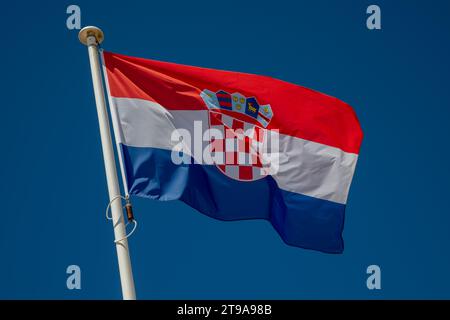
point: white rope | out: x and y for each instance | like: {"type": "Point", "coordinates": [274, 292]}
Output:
{"type": "Point", "coordinates": [108, 208]}
{"type": "Point", "coordinates": [128, 235]}
{"type": "Point", "coordinates": [110, 203]}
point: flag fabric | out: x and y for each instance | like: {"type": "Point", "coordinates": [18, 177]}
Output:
{"type": "Point", "coordinates": [235, 146]}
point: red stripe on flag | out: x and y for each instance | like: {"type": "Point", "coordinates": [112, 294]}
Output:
{"type": "Point", "coordinates": [297, 111]}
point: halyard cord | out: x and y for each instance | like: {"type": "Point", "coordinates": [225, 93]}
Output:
{"type": "Point", "coordinates": [118, 196]}
{"type": "Point", "coordinates": [110, 217]}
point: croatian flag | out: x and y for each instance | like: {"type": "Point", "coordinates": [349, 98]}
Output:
{"type": "Point", "coordinates": [235, 146]}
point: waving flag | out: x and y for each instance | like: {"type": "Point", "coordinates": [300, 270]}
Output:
{"type": "Point", "coordinates": [235, 146]}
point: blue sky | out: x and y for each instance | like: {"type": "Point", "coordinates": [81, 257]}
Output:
{"type": "Point", "coordinates": [52, 177]}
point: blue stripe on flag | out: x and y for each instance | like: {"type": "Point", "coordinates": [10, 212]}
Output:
{"type": "Point", "coordinates": [300, 220]}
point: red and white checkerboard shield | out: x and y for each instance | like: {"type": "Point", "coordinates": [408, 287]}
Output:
{"type": "Point", "coordinates": [237, 152]}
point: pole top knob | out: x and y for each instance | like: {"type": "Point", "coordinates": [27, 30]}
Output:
{"type": "Point", "coordinates": [91, 31]}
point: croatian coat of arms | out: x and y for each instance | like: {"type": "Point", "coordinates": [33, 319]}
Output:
{"type": "Point", "coordinates": [237, 147]}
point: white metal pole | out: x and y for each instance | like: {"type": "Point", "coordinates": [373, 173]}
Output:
{"type": "Point", "coordinates": [91, 37]}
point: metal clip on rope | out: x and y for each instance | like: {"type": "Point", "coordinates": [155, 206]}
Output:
{"type": "Point", "coordinates": [130, 216]}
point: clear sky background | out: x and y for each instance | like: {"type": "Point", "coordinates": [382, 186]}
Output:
{"type": "Point", "coordinates": [52, 179]}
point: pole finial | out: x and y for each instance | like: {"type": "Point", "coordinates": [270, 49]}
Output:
{"type": "Point", "coordinates": [90, 31]}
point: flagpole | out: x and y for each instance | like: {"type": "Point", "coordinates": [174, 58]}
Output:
{"type": "Point", "coordinates": [92, 37]}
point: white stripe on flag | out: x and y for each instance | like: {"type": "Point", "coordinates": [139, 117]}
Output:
{"type": "Point", "coordinates": [306, 167]}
